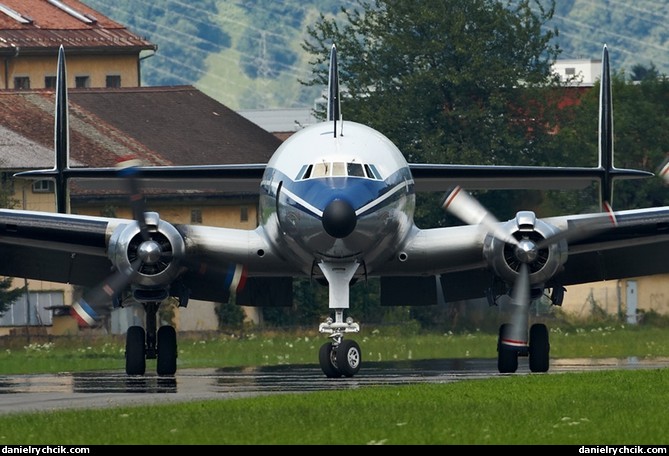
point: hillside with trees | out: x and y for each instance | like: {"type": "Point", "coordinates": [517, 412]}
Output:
{"type": "Point", "coordinates": [248, 55]}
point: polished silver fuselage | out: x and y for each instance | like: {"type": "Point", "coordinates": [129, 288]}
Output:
{"type": "Point", "coordinates": [314, 167]}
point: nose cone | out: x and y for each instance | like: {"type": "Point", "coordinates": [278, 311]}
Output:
{"type": "Point", "coordinates": [339, 219]}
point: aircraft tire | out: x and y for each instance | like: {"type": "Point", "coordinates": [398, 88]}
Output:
{"type": "Point", "coordinates": [348, 357]}
{"type": "Point", "coordinates": [507, 358]}
{"type": "Point", "coordinates": [167, 351]}
{"type": "Point", "coordinates": [539, 348]}
{"type": "Point", "coordinates": [135, 351]}
{"type": "Point", "coordinates": [326, 358]}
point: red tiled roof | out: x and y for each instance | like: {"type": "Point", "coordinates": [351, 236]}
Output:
{"type": "Point", "coordinates": [161, 125]}
{"type": "Point", "coordinates": [41, 25]}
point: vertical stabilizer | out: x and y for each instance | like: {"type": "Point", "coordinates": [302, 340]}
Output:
{"type": "Point", "coordinates": [61, 135]}
{"type": "Point", "coordinates": [606, 133]}
{"type": "Point", "coordinates": [334, 106]}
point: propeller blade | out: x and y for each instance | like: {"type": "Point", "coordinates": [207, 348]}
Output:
{"type": "Point", "coordinates": [515, 334]}
{"type": "Point", "coordinates": [664, 170]}
{"type": "Point", "coordinates": [128, 168]}
{"type": "Point", "coordinates": [86, 310]}
{"type": "Point", "coordinates": [469, 210]}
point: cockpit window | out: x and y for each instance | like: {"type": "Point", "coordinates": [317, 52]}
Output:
{"type": "Point", "coordinates": [321, 170]}
{"type": "Point", "coordinates": [326, 169]}
{"type": "Point", "coordinates": [355, 169]}
{"type": "Point", "coordinates": [372, 172]}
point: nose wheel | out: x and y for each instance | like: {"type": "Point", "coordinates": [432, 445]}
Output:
{"type": "Point", "coordinates": [339, 359]}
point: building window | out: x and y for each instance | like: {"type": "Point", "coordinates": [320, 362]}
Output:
{"type": "Point", "coordinates": [81, 82]}
{"type": "Point", "coordinates": [22, 82]}
{"type": "Point", "coordinates": [244, 214]}
{"type": "Point", "coordinates": [196, 215]}
{"type": "Point", "coordinates": [49, 82]}
{"type": "Point", "coordinates": [43, 186]}
{"type": "Point", "coordinates": [113, 81]}
{"type": "Point", "coordinates": [570, 71]}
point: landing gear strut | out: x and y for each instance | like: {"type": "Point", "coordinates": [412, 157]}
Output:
{"type": "Point", "coordinates": [339, 357]}
{"type": "Point", "coordinates": [141, 345]}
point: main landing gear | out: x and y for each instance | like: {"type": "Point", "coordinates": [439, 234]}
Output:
{"type": "Point", "coordinates": [537, 349]}
{"type": "Point", "coordinates": [141, 345]}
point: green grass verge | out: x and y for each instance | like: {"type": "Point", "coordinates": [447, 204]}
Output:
{"type": "Point", "coordinates": [76, 354]}
{"type": "Point", "coordinates": [594, 408]}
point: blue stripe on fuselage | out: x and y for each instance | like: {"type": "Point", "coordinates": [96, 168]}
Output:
{"type": "Point", "coordinates": [359, 192]}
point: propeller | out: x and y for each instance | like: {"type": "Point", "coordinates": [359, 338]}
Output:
{"type": "Point", "coordinates": [86, 310]}
{"type": "Point", "coordinates": [147, 254]}
{"type": "Point", "coordinates": [469, 210]}
{"type": "Point", "coordinates": [128, 168]}
{"type": "Point", "coordinates": [515, 334]}
{"type": "Point", "coordinates": [664, 170]}
{"type": "Point", "coordinates": [526, 251]}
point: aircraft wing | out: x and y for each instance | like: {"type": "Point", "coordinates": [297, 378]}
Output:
{"type": "Point", "coordinates": [76, 249]}
{"type": "Point", "coordinates": [466, 259]}
{"type": "Point", "coordinates": [443, 177]}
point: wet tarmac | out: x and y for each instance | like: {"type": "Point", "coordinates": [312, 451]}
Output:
{"type": "Point", "coordinates": [44, 392]}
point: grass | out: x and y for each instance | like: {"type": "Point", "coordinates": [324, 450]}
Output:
{"type": "Point", "coordinates": [76, 354]}
{"type": "Point", "coordinates": [591, 408]}
{"type": "Point", "coordinates": [594, 408]}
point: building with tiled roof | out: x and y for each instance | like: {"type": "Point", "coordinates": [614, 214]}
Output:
{"type": "Point", "coordinates": [110, 116]}
{"type": "Point", "coordinates": [176, 125]}
{"type": "Point", "coordinates": [100, 52]}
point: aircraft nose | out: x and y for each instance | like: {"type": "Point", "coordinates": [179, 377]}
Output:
{"type": "Point", "coordinates": [339, 219]}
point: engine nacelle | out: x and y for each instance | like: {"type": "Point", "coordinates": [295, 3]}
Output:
{"type": "Point", "coordinates": [152, 262]}
{"type": "Point", "coordinates": [505, 259]}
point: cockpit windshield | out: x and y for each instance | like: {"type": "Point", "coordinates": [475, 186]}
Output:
{"type": "Point", "coordinates": [336, 169]}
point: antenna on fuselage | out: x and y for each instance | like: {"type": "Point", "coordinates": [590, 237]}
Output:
{"type": "Point", "coordinates": [334, 106]}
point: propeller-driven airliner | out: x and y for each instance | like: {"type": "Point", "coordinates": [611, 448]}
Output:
{"type": "Point", "coordinates": [336, 204]}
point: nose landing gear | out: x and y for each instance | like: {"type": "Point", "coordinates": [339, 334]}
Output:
{"type": "Point", "coordinates": [339, 357]}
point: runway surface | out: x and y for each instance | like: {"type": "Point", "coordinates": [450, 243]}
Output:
{"type": "Point", "coordinates": [45, 392]}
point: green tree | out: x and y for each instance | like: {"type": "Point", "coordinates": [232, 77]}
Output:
{"type": "Point", "coordinates": [441, 79]}
{"type": "Point", "coordinates": [641, 135]}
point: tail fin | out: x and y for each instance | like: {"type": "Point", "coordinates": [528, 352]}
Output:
{"type": "Point", "coordinates": [61, 135]}
{"type": "Point", "coordinates": [606, 133]}
{"type": "Point", "coordinates": [334, 106]}
{"type": "Point", "coordinates": [61, 171]}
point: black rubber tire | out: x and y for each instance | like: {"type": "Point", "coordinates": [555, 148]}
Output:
{"type": "Point", "coordinates": [539, 349]}
{"type": "Point", "coordinates": [135, 351]}
{"type": "Point", "coordinates": [327, 361]}
{"type": "Point", "coordinates": [348, 357]}
{"type": "Point", "coordinates": [167, 351]}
